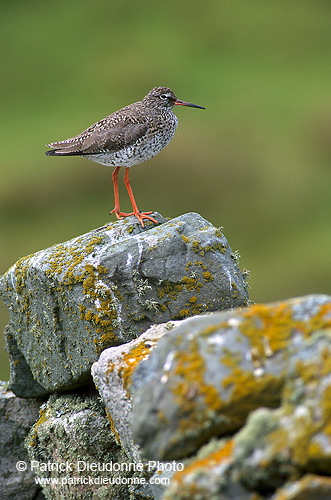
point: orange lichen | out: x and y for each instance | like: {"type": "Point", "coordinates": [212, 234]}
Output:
{"type": "Point", "coordinates": [185, 478]}
{"type": "Point", "coordinates": [113, 427]}
{"type": "Point", "coordinates": [191, 283]}
{"type": "Point", "coordinates": [169, 288]}
{"type": "Point", "coordinates": [183, 313]}
{"type": "Point", "coordinates": [44, 414]}
{"type": "Point", "coordinates": [326, 408]}
{"type": "Point", "coordinates": [129, 361]}
{"type": "Point", "coordinates": [248, 390]}
{"type": "Point", "coordinates": [270, 327]}
{"type": "Point", "coordinates": [207, 276]}
{"type": "Point", "coordinates": [189, 386]}
{"type": "Point", "coordinates": [273, 323]}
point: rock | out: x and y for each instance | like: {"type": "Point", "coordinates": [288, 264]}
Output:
{"type": "Point", "coordinates": [21, 376]}
{"type": "Point", "coordinates": [73, 451]}
{"type": "Point", "coordinates": [208, 476]}
{"type": "Point", "coordinates": [258, 466]}
{"type": "Point", "coordinates": [258, 376]}
{"type": "Point", "coordinates": [213, 474]}
{"type": "Point", "coordinates": [309, 487]}
{"type": "Point", "coordinates": [16, 418]}
{"type": "Point", "coordinates": [210, 373]}
{"type": "Point", "coordinates": [112, 376]}
{"type": "Point", "coordinates": [276, 445]}
{"type": "Point", "coordinates": [71, 301]}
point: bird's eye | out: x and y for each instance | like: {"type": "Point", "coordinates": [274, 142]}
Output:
{"type": "Point", "coordinates": [164, 96]}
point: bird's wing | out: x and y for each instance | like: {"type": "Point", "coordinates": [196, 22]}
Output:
{"type": "Point", "coordinates": [95, 139]}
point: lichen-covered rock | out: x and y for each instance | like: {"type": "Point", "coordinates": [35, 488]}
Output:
{"type": "Point", "coordinates": [16, 418]}
{"type": "Point", "coordinates": [276, 445]}
{"type": "Point", "coordinates": [112, 376]}
{"type": "Point", "coordinates": [212, 474]}
{"type": "Point", "coordinates": [208, 374]}
{"type": "Point", "coordinates": [71, 301]}
{"type": "Point", "coordinates": [73, 450]}
{"type": "Point", "coordinates": [262, 463]}
{"type": "Point", "coordinates": [207, 476]}
{"type": "Point", "coordinates": [309, 487]}
{"type": "Point", "coordinates": [21, 377]}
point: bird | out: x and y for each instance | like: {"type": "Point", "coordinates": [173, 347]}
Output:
{"type": "Point", "coordinates": [127, 137]}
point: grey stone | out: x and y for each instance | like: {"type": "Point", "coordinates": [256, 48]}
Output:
{"type": "Point", "coordinates": [210, 373]}
{"type": "Point", "coordinates": [266, 458]}
{"type": "Point", "coordinates": [16, 418]}
{"type": "Point", "coordinates": [257, 464]}
{"type": "Point", "coordinates": [277, 445]}
{"type": "Point", "coordinates": [309, 487]}
{"type": "Point", "coordinates": [71, 301]}
{"type": "Point", "coordinates": [21, 378]}
{"type": "Point", "coordinates": [72, 448]}
{"type": "Point", "coordinates": [207, 476]}
{"type": "Point", "coordinates": [260, 375]}
{"type": "Point", "coordinates": [112, 376]}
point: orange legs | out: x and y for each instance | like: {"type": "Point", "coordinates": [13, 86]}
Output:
{"type": "Point", "coordinates": [119, 215]}
{"type": "Point", "coordinates": [116, 209]}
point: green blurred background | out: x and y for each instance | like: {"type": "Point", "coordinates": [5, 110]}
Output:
{"type": "Point", "coordinates": [256, 161]}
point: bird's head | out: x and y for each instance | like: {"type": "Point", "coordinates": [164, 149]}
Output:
{"type": "Point", "coordinates": [164, 97]}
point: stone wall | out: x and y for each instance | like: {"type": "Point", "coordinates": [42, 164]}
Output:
{"type": "Point", "coordinates": [139, 370]}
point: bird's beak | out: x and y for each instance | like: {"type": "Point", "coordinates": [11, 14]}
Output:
{"type": "Point", "coordinates": [184, 103]}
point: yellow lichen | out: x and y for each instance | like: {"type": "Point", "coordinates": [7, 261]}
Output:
{"type": "Point", "coordinates": [113, 427]}
{"type": "Point", "coordinates": [207, 276]}
{"type": "Point", "coordinates": [271, 326]}
{"type": "Point", "coordinates": [184, 483]}
{"type": "Point", "coordinates": [43, 416]}
{"type": "Point", "coordinates": [190, 386]}
{"type": "Point", "coordinates": [278, 441]}
{"type": "Point", "coordinates": [129, 362]}
{"type": "Point", "coordinates": [197, 263]}
{"type": "Point", "coordinates": [65, 271]}
{"type": "Point", "coordinates": [191, 283]}
{"type": "Point", "coordinates": [263, 323]}
{"type": "Point", "coordinates": [169, 288]}
{"type": "Point", "coordinates": [170, 291]}
{"type": "Point", "coordinates": [326, 408]}
{"type": "Point", "coordinates": [247, 390]}
{"type": "Point", "coordinates": [224, 453]}
{"type": "Point", "coordinates": [197, 246]}
{"type": "Point", "coordinates": [183, 313]}
{"type": "Point", "coordinates": [106, 340]}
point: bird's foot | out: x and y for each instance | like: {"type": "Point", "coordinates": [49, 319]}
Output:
{"type": "Point", "coordinates": [144, 215]}
{"type": "Point", "coordinates": [139, 215]}
{"type": "Point", "coordinates": [119, 214]}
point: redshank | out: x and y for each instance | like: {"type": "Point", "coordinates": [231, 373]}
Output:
{"type": "Point", "coordinates": [127, 137]}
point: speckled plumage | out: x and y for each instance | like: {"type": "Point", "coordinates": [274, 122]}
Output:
{"type": "Point", "coordinates": [127, 137]}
